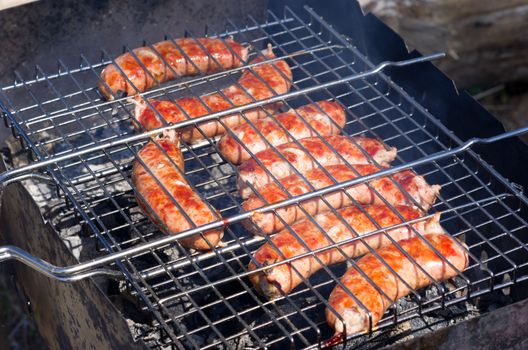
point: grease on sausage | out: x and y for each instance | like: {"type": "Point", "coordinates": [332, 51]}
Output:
{"type": "Point", "coordinates": [287, 244]}
{"type": "Point", "coordinates": [354, 316]}
{"type": "Point", "coordinates": [405, 188]}
{"type": "Point", "coordinates": [166, 184]}
{"type": "Point", "coordinates": [168, 60]}
{"type": "Point", "coordinates": [355, 150]}
{"type": "Point", "coordinates": [326, 118]}
{"type": "Point", "coordinates": [258, 83]}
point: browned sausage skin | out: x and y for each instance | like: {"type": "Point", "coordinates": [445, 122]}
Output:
{"type": "Point", "coordinates": [255, 84]}
{"type": "Point", "coordinates": [168, 60]}
{"type": "Point", "coordinates": [405, 188]}
{"type": "Point", "coordinates": [287, 244]}
{"type": "Point", "coordinates": [165, 184]}
{"type": "Point", "coordinates": [354, 150]}
{"type": "Point", "coordinates": [323, 118]}
{"type": "Point", "coordinates": [354, 316]}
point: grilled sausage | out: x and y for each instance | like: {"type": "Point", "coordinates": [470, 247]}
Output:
{"type": "Point", "coordinates": [299, 158]}
{"type": "Point", "coordinates": [414, 188]}
{"type": "Point", "coordinates": [168, 60]}
{"type": "Point", "coordinates": [159, 191]}
{"type": "Point", "coordinates": [284, 278]}
{"type": "Point", "coordinates": [258, 83]}
{"type": "Point", "coordinates": [355, 317]}
{"type": "Point", "coordinates": [326, 118]}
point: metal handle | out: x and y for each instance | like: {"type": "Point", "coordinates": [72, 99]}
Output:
{"type": "Point", "coordinates": [50, 270]}
{"type": "Point", "coordinates": [92, 267]}
{"type": "Point", "coordinates": [12, 175]}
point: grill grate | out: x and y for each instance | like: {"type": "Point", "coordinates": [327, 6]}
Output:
{"type": "Point", "coordinates": [205, 300]}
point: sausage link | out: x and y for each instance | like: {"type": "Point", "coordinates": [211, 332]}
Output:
{"type": "Point", "coordinates": [282, 279]}
{"type": "Point", "coordinates": [415, 191]}
{"type": "Point", "coordinates": [258, 83]}
{"type": "Point", "coordinates": [168, 60]}
{"type": "Point", "coordinates": [354, 316]}
{"type": "Point", "coordinates": [153, 196]}
{"type": "Point", "coordinates": [299, 158]}
{"type": "Point", "coordinates": [326, 118]}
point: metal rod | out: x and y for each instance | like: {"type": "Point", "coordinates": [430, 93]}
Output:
{"type": "Point", "coordinates": [43, 163]}
{"type": "Point", "coordinates": [65, 271]}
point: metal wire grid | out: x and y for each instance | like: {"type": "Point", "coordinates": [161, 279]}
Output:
{"type": "Point", "coordinates": [194, 297]}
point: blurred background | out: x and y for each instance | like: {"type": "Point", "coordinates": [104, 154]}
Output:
{"type": "Point", "coordinates": [485, 40]}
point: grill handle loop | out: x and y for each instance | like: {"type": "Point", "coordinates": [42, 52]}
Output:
{"type": "Point", "coordinates": [52, 271]}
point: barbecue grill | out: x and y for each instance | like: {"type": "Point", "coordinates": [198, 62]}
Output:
{"type": "Point", "coordinates": [82, 147]}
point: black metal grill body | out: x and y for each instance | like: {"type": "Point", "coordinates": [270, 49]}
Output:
{"type": "Point", "coordinates": [205, 300]}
